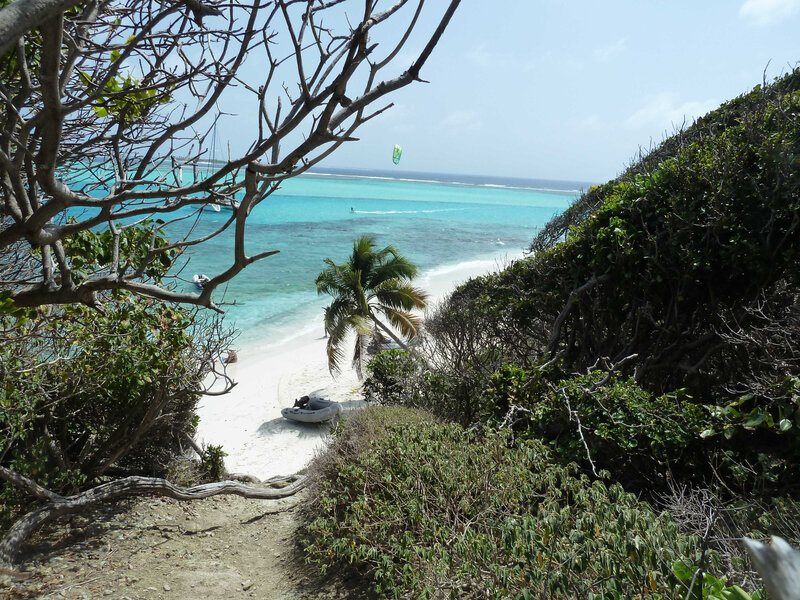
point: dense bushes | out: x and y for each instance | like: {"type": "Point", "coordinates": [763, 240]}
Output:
{"type": "Point", "coordinates": [400, 378]}
{"type": "Point", "coordinates": [658, 323]}
{"type": "Point", "coordinates": [680, 249]}
{"type": "Point", "coordinates": [429, 510]}
{"type": "Point", "coordinates": [653, 339]}
{"type": "Point", "coordinates": [87, 394]}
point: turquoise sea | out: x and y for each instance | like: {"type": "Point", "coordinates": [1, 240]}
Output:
{"type": "Point", "coordinates": [437, 221]}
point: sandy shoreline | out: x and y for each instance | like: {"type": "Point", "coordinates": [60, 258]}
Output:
{"type": "Point", "coordinates": [247, 422]}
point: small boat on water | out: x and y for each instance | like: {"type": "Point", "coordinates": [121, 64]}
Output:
{"type": "Point", "coordinates": [313, 410]}
{"type": "Point", "coordinates": [220, 207]}
{"type": "Point", "coordinates": [200, 280]}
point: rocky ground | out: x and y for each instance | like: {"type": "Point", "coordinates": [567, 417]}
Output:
{"type": "Point", "coordinates": [222, 547]}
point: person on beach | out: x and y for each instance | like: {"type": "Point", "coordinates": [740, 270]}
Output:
{"type": "Point", "coordinates": [230, 357]}
{"type": "Point", "coordinates": [301, 402]}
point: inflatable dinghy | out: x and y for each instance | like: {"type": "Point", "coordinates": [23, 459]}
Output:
{"type": "Point", "coordinates": [315, 410]}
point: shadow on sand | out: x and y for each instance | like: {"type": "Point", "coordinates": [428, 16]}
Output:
{"type": "Point", "coordinates": [281, 425]}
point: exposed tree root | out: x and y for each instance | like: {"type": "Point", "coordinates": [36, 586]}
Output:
{"type": "Point", "coordinates": [130, 486]}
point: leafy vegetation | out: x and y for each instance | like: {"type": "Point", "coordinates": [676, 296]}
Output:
{"type": "Point", "coordinates": [85, 394]}
{"type": "Point", "coordinates": [433, 511]}
{"type": "Point", "coordinates": [652, 340]}
{"type": "Point", "coordinates": [674, 288]}
{"type": "Point", "coordinates": [93, 252]}
{"type": "Point", "coordinates": [371, 283]}
{"type": "Point", "coordinates": [90, 392]}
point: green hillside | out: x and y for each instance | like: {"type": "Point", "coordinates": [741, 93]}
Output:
{"type": "Point", "coordinates": [650, 341]}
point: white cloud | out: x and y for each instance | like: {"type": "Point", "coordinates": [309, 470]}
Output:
{"type": "Point", "coordinates": [764, 12]}
{"type": "Point", "coordinates": [462, 120]}
{"type": "Point", "coordinates": [482, 57]}
{"type": "Point", "coordinates": [666, 112]}
{"type": "Point", "coordinates": [610, 51]}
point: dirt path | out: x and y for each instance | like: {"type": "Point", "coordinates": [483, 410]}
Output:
{"type": "Point", "coordinates": [223, 547]}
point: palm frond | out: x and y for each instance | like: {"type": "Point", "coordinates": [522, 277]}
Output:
{"type": "Point", "coordinates": [333, 279]}
{"type": "Point", "coordinates": [360, 299]}
{"type": "Point", "coordinates": [363, 258]}
{"type": "Point", "coordinates": [338, 310]}
{"type": "Point", "coordinates": [334, 351]}
{"type": "Point", "coordinates": [404, 322]}
{"type": "Point", "coordinates": [340, 321]}
{"type": "Point", "coordinates": [398, 267]}
{"type": "Point", "coordinates": [384, 254]}
{"type": "Point", "coordinates": [401, 295]}
{"type": "Point", "coordinates": [335, 355]}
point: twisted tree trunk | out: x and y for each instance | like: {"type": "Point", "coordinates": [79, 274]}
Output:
{"type": "Point", "coordinates": [57, 505]}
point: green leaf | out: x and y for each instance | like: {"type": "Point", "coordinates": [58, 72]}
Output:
{"type": "Point", "coordinates": [736, 593]}
{"type": "Point", "coordinates": [785, 425]}
{"type": "Point", "coordinates": [682, 571]}
{"type": "Point", "coordinates": [756, 419]}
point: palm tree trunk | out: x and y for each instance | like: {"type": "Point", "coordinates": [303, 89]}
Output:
{"type": "Point", "coordinates": [390, 333]}
{"type": "Point", "coordinates": [400, 342]}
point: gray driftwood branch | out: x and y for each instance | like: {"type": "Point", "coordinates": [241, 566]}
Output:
{"type": "Point", "coordinates": [130, 486]}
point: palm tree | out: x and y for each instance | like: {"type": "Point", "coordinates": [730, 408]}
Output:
{"type": "Point", "coordinates": [371, 283]}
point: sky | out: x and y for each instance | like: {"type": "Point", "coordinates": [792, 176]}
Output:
{"type": "Point", "coordinates": [550, 89]}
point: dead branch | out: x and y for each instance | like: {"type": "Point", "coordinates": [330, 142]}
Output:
{"type": "Point", "coordinates": [80, 131]}
{"type": "Point", "coordinates": [57, 506]}
{"type": "Point", "coordinates": [556, 331]}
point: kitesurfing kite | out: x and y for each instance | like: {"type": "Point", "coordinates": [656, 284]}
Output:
{"type": "Point", "coordinates": [398, 152]}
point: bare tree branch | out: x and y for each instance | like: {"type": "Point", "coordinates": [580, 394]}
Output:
{"type": "Point", "coordinates": [21, 16]}
{"type": "Point", "coordinates": [115, 104]}
{"type": "Point", "coordinates": [120, 488]}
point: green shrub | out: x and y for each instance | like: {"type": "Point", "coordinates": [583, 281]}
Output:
{"type": "Point", "coordinates": [681, 277]}
{"type": "Point", "coordinates": [399, 378]}
{"type": "Point", "coordinates": [432, 511]}
{"type": "Point", "coordinates": [622, 427]}
{"type": "Point", "coordinates": [212, 464]}
{"type": "Point", "coordinates": [85, 394]}
{"type": "Point", "coordinates": [353, 435]}
{"type": "Point", "coordinates": [392, 377]}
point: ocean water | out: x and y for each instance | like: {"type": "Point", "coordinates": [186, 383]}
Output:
{"type": "Point", "coordinates": [436, 221]}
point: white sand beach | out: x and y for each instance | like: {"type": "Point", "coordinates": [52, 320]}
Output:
{"type": "Point", "coordinates": [247, 422]}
